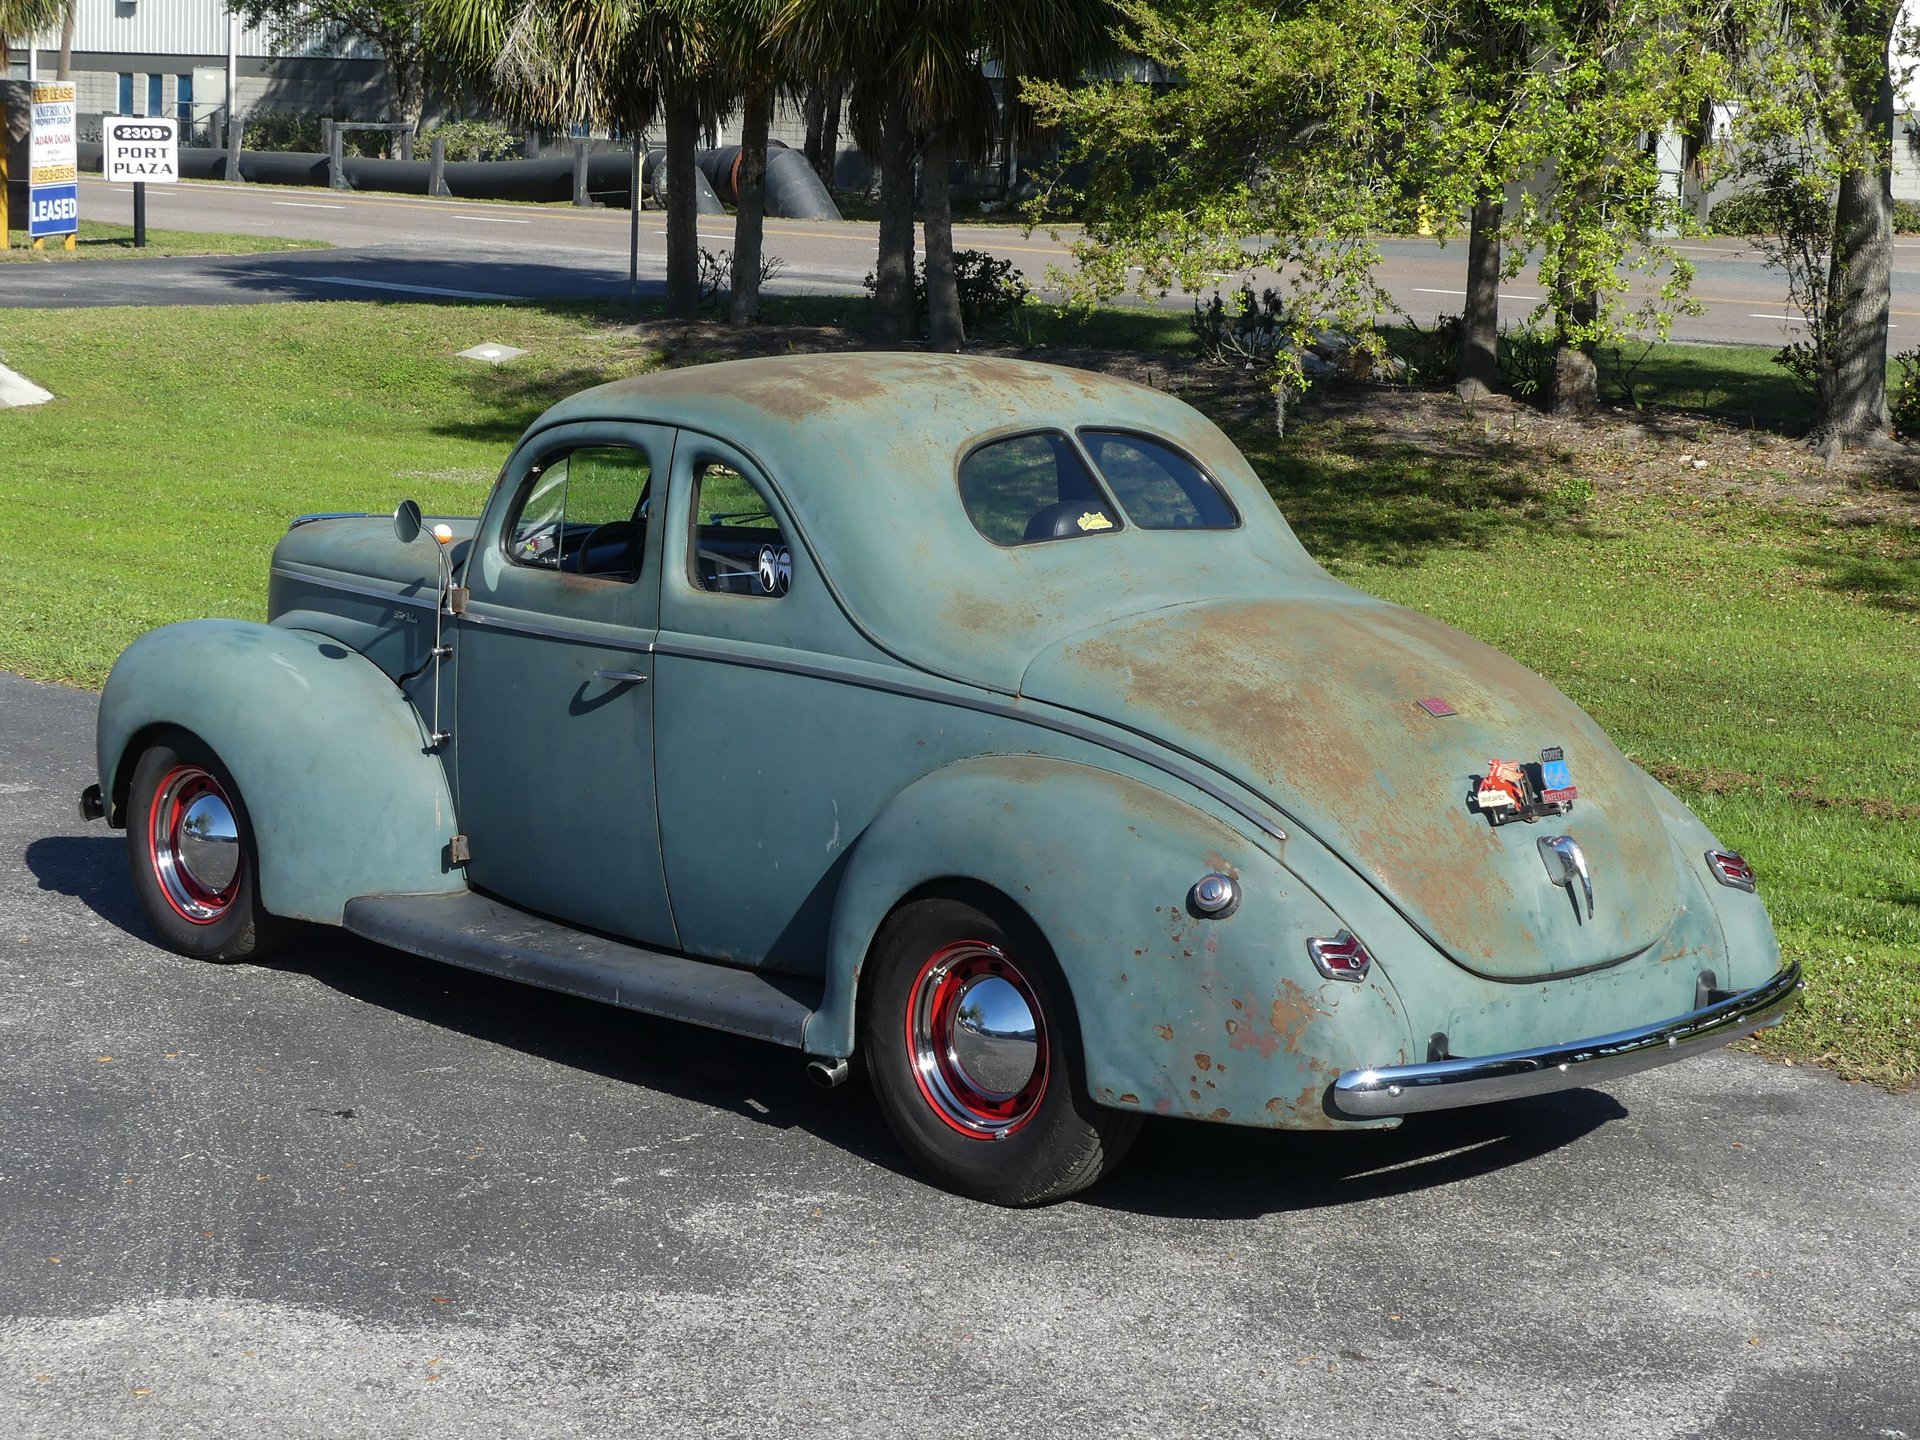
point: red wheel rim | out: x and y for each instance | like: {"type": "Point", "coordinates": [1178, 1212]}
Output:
{"type": "Point", "coordinates": [977, 1040]}
{"type": "Point", "coordinates": [193, 843]}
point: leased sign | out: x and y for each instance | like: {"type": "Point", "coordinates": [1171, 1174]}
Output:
{"type": "Point", "coordinates": [53, 198]}
{"type": "Point", "coordinates": [140, 148]}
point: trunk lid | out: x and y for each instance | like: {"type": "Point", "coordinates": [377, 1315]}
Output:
{"type": "Point", "coordinates": [1313, 702]}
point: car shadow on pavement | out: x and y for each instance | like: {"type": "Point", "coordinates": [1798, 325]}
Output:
{"type": "Point", "coordinates": [1178, 1169]}
{"type": "Point", "coordinates": [93, 870]}
{"type": "Point", "coordinates": [1258, 1172]}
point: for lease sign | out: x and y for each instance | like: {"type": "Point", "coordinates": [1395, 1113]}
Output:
{"type": "Point", "coordinates": [140, 148]}
{"type": "Point", "coordinates": [52, 204]}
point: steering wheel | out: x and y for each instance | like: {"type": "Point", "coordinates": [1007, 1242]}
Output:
{"type": "Point", "coordinates": [577, 562]}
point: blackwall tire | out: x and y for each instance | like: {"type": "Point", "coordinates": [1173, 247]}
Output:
{"type": "Point", "coordinates": [974, 1050]}
{"type": "Point", "coordinates": [191, 850]}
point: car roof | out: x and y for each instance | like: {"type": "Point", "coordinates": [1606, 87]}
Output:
{"type": "Point", "coordinates": [865, 449]}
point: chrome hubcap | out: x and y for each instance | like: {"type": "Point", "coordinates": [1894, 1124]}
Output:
{"type": "Point", "coordinates": [195, 843]}
{"type": "Point", "coordinates": [978, 1040]}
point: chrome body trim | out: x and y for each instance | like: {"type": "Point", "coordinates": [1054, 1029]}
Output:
{"type": "Point", "coordinates": [347, 587]}
{"type": "Point", "coordinates": [299, 520]}
{"type": "Point", "coordinates": [1444, 1084]}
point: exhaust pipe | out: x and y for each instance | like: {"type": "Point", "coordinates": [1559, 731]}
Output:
{"type": "Point", "coordinates": [827, 1073]}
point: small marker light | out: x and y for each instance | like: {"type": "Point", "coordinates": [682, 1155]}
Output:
{"type": "Point", "coordinates": [1729, 869]}
{"type": "Point", "coordinates": [443, 532]}
{"type": "Point", "coordinates": [1341, 958]}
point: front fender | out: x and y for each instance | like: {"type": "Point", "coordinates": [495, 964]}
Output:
{"type": "Point", "coordinates": [331, 760]}
{"type": "Point", "coordinates": [1223, 1020]}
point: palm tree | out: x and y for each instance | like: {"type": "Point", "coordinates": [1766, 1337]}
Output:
{"type": "Point", "coordinates": [24, 19]}
{"type": "Point", "coordinates": [617, 62]}
{"type": "Point", "coordinates": [918, 89]}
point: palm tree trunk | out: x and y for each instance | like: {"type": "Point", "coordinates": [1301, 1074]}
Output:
{"type": "Point", "coordinates": [1478, 370]}
{"type": "Point", "coordinates": [830, 133]}
{"type": "Point", "coordinates": [65, 71]}
{"type": "Point", "coordinates": [750, 201]}
{"type": "Point", "coordinates": [947, 327]}
{"type": "Point", "coordinates": [683, 205]}
{"type": "Point", "coordinates": [893, 267]}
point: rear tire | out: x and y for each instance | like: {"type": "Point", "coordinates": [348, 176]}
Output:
{"type": "Point", "coordinates": [974, 1050]}
{"type": "Point", "coordinates": [190, 846]}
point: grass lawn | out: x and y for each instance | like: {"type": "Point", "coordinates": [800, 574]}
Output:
{"type": "Point", "coordinates": [1758, 652]}
{"type": "Point", "coordinates": [100, 241]}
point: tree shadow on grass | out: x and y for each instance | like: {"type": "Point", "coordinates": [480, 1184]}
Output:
{"type": "Point", "coordinates": [1383, 496]}
{"type": "Point", "coordinates": [1886, 582]}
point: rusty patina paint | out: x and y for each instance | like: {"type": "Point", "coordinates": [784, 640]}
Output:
{"type": "Point", "coordinates": [1312, 701]}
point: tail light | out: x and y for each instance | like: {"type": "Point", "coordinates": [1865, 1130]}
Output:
{"type": "Point", "coordinates": [1729, 869]}
{"type": "Point", "coordinates": [1341, 958]}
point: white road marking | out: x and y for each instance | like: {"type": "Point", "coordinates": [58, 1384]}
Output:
{"type": "Point", "coordinates": [1423, 290]}
{"type": "Point", "coordinates": [1755, 315]}
{"type": "Point", "coordinates": [411, 289]}
{"type": "Point", "coordinates": [307, 205]}
{"type": "Point", "coordinates": [493, 219]}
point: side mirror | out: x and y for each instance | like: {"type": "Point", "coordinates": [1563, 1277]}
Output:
{"type": "Point", "coordinates": [406, 522]}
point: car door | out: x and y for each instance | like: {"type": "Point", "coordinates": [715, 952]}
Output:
{"type": "Point", "coordinates": [553, 734]}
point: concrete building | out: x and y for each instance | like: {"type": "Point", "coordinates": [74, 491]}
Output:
{"type": "Point", "coordinates": [178, 57]}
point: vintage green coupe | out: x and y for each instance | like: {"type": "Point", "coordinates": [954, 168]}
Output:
{"type": "Point", "coordinates": [981, 719]}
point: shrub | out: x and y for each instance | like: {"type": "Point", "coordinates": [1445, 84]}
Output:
{"type": "Point", "coordinates": [1903, 405]}
{"type": "Point", "coordinates": [990, 288]}
{"type": "Point", "coordinates": [1249, 328]}
{"type": "Point", "coordinates": [1526, 359]}
{"type": "Point", "coordinates": [470, 140]}
{"type": "Point", "coordinates": [1750, 212]}
{"type": "Point", "coordinates": [1906, 217]}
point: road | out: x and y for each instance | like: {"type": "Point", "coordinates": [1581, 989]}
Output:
{"type": "Point", "coordinates": [407, 247]}
{"type": "Point", "coordinates": [352, 1194]}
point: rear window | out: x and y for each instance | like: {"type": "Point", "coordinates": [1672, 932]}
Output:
{"type": "Point", "coordinates": [1031, 488]}
{"type": "Point", "coordinates": [1158, 487]}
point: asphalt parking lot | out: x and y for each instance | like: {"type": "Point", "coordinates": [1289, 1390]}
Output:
{"type": "Point", "coordinates": [352, 1194]}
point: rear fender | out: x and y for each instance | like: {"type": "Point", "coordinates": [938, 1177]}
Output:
{"type": "Point", "coordinates": [1223, 1020]}
{"type": "Point", "coordinates": [333, 764]}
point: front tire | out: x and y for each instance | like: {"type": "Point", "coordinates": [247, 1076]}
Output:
{"type": "Point", "coordinates": [190, 846]}
{"type": "Point", "coordinates": [975, 1056]}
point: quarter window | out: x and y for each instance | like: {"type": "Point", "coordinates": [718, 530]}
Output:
{"type": "Point", "coordinates": [584, 511]}
{"type": "Point", "coordinates": [1031, 488]}
{"type": "Point", "coordinates": [1158, 487]}
{"type": "Point", "coordinates": [738, 547]}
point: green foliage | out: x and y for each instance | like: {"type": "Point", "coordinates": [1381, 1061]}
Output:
{"type": "Point", "coordinates": [1294, 136]}
{"type": "Point", "coordinates": [1746, 213]}
{"type": "Point", "coordinates": [472, 140]}
{"type": "Point", "coordinates": [1903, 403]}
{"type": "Point", "coordinates": [1526, 359]}
{"type": "Point", "coordinates": [1247, 330]}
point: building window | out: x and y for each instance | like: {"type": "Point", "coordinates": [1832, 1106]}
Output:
{"type": "Point", "coordinates": [126, 95]}
{"type": "Point", "coordinates": [183, 99]}
{"type": "Point", "coordinates": [156, 104]}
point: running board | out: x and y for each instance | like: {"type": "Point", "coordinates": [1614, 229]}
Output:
{"type": "Point", "coordinates": [480, 934]}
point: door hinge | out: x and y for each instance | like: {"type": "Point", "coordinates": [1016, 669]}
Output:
{"type": "Point", "coordinates": [458, 851]}
{"type": "Point", "coordinates": [457, 599]}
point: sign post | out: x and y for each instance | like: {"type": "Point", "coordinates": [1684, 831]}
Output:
{"type": "Point", "coordinates": [53, 191]}
{"type": "Point", "coordinates": [144, 149]}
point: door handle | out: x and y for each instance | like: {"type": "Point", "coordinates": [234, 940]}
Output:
{"type": "Point", "coordinates": [622, 677]}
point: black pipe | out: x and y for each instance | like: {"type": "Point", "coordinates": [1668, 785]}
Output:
{"type": "Point", "coordinates": [794, 192]}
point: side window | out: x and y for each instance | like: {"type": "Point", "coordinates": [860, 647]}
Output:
{"type": "Point", "coordinates": [584, 511]}
{"type": "Point", "coordinates": [737, 547]}
{"type": "Point", "coordinates": [1159, 488]}
{"type": "Point", "coordinates": [1030, 488]}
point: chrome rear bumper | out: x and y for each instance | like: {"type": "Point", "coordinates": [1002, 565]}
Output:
{"type": "Point", "coordinates": [1445, 1084]}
